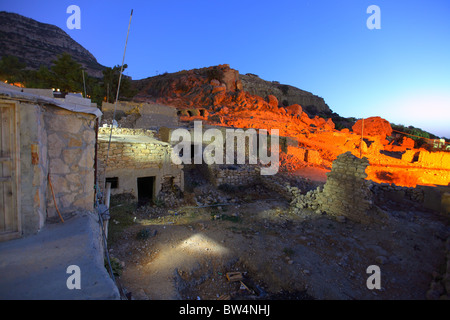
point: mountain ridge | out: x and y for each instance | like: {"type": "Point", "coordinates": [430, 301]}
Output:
{"type": "Point", "coordinates": [36, 43]}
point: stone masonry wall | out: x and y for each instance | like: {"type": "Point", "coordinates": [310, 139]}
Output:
{"type": "Point", "coordinates": [239, 175]}
{"type": "Point", "coordinates": [133, 155]}
{"type": "Point", "coordinates": [71, 153]}
{"type": "Point", "coordinates": [346, 192]}
{"type": "Point", "coordinates": [130, 159]}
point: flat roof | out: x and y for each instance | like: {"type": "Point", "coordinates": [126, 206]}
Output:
{"type": "Point", "coordinates": [126, 138]}
{"type": "Point", "coordinates": [17, 94]}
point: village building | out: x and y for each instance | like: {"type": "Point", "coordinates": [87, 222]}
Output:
{"type": "Point", "coordinates": [136, 163]}
{"type": "Point", "coordinates": [46, 160]}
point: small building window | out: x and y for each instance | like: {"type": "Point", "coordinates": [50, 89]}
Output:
{"type": "Point", "coordinates": [114, 182]}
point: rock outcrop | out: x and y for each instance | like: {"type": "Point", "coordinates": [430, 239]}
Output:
{"type": "Point", "coordinates": [287, 95]}
{"type": "Point", "coordinates": [222, 86]}
{"type": "Point", "coordinates": [373, 126]}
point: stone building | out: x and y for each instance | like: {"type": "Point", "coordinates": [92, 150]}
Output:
{"type": "Point", "coordinates": [47, 150]}
{"type": "Point", "coordinates": [137, 163]}
{"type": "Point", "coordinates": [140, 115]}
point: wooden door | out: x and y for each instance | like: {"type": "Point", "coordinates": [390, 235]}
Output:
{"type": "Point", "coordinates": [9, 214]}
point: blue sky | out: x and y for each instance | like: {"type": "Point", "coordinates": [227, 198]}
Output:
{"type": "Point", "coordinates": [400, 72]}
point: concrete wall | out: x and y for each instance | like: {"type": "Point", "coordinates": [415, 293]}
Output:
{"type": "Point", "coordinates": [33, 167]}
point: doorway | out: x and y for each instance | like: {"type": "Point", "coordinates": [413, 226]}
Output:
{"type": "Point", "coordinates": [9, 212]}
{"type": "Point", "coordinates": [146, 187]}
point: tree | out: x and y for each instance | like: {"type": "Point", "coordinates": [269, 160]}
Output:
{"type": "Point", "coordinates": [67, 74]}
{"type": "Point", "coordinates": [11, 69]}
{"type": "Point", "coordinates": [111, 81]}
{"type": "Point", "coordinates": [41, 78]}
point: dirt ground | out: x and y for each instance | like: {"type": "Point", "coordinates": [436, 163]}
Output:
{"type": "Point", "coordinates": [186, 252]}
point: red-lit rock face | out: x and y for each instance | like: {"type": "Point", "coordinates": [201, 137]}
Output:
{"type": "Point", "coordinates": [218, 92]}
{"type": "Point", "coordinates": [373, 126]}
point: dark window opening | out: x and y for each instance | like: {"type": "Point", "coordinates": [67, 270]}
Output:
{"type": "Point", "coordinates": [202, 112]}
{"type": "Point", "coordinates": [416, 157]}
{"type": "Point", "coordinates": [146, 187]}
{"type": "Point", "coordinates": [114, 182]}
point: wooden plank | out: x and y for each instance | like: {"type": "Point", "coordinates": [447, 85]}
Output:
{"type": "Point", "coordinates": [234, 276]}
{"type": "Point", "coordinates": [8, 224]}
{"type": "Point", "coordinates": [3, 200]}
{"type": "Point", "coordinates": [2, 110]}
{"type": "Point", "coordinates": [2, 204]}
{"type": "Point", "coordinates": [16, 176]}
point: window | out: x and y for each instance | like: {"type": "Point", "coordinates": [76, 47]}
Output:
{"type": "Point", "coordinates": [114, 182]}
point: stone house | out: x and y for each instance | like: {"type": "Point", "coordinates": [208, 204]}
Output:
{"type": "Point", "coordinates": [137, 163]}
{"type": "Point", "coordinates": [47, 156]}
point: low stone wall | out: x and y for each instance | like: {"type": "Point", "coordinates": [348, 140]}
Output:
{"type": "Point", "coordinates": [234, 175]}
{"type": "Point", "coordinates": [133, 155]}
{"type": "Point", "coordinates": [387, 191]}
{"type": "Point", "coordinates": [126, 131]}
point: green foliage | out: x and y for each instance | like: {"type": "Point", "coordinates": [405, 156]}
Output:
{"type": "Point", "coordinates": [11, 69]}
{"type": "Point", "coordinates": [111, 81]}
{"type": "Point", "coordinates": [67, 74]}
{"type": "Point", "coordinates": [417, 134]}
{"type": "Point", "coordinates": [116, 267]}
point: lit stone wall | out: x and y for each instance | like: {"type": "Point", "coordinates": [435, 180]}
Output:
{"type": "Point", "coordinates": [134, 154]}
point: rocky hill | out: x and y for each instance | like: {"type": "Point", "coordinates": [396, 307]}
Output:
{"type": "Point", "coordinates": [287, 95]}
{"type": "Point", "coordinates": [36, 43]}
{"type": "Point", "coordinates": [215, 87]}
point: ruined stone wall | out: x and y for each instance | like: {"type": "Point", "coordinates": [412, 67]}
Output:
{"type": "Point", "coordinates": [346, 192]}
{"type": "Point", "coordinates": [387, 191]}
{"type": "Point", "coordinates": [428, 159]}
{"type": "Point", "coordinates": [234, 175]}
